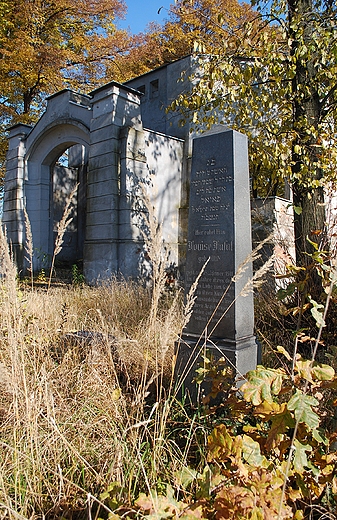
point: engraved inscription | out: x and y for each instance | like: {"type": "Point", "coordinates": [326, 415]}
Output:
{"type": "Point", "coordinates": [211, 240]}
{"type": "Point", "coordinates": [215, 245]}
{"type": "Point", "coordinates": [209, 186]}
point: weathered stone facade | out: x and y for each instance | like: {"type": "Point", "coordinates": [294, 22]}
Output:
{"type": "Point", "coordinates": [117, 139]}
{"type": "Point", "coordinates": [111, 156]}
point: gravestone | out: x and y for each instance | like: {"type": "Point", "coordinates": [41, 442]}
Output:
{"type": "Point", "coordinates": [219, 241]}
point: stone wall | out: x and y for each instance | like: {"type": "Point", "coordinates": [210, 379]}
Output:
{"type": "Point", "coordinates": [274, 216]}
{"type": "Point", "coordinates": [112, 158]}
{"type": "Point", "coordinates": [119, 140]}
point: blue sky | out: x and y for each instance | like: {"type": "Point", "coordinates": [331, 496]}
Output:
{"type": "Point", "coordinates": [141, 13]}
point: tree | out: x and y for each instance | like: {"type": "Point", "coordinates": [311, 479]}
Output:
{"type": "Point", "coordinates": [278, 84]}
{"type": "Point", "coordinates": [204, 21]}
{"type": "Point", "coordinates": [144, 55]}
{"type": "Point", "coordinates": [187, 22]}
{"type": "Point", "coordinates": [47, 45]}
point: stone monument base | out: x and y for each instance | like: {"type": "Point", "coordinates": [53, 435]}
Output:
{"type": "Point", "coordinates": [241, 355]}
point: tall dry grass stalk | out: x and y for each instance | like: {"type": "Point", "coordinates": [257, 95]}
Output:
{"type": "Point", "coordinates": [61, 229]}
{"type": "Point", "coordinates": [151, 232]}
{"type": "Point", "coordinates": [29, 250]}
{"type": "Point", "coordinates": [79, 412]}
{"type": "Point", "coordinates": [8, 271]}
{"type": "Point", "coordinates": [159, 329]}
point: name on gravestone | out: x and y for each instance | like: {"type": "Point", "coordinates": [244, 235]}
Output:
{"type": "Point", "coordinates": [219, 239]}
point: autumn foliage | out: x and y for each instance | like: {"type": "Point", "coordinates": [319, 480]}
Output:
{"type": "Point", "coordinates": [46, 46]}
{"type": "Point", "coordinates": [210, 22]}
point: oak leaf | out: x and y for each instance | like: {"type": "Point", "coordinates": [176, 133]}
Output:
{"type": "Point", "coordinates": [301, 404]}
{"type": "Point", "coordinates": [262, 384]}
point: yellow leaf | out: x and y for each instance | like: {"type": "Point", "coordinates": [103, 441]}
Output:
{"type": "Point", "coordinates": [116, 394]}
{"type": "Point", "coordinates": [283, 351]}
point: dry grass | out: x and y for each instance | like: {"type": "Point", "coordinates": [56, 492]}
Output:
{"type": "Point", "coordinates": [61, 229]}
{"type": "Point", "coordinates": [80, 413]}
{"type": "Point", "coordinates": [29, 249]}
{"type": "Point", "coordinates": [87, 392]}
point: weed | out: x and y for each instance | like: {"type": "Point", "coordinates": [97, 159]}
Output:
{"type": "Point", "coordinates": [29, 247]}
{"type": "Point", "coordinates": [42, 277]}
{"type": "Point", "coordinates": [91, 427]}
{"type": "Point", "coordinates": [78, 415]}
{"type": "Point", "coordinates": [77, 277]}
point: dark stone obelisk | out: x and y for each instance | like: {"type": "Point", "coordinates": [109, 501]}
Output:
{"type": "Point", "coordinates": [219, 235]}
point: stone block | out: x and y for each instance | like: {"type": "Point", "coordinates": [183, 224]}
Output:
{"type": "Point", "coordinates": [102, 218]}
{"type": "Point", "coordinates": [106, 173]}
{"type": "Point", "coordinates": [104, 147]}
{"type": "Point", "coordinates": [104, 188]}
{"type": "Point", "coordinates": [106, 231]}
{"type": "Point", "coordinates": [100, 260]}
{"type": "Point", "coordinates": [110, 159]}
{"type": "Point", "coordinates": [104, 132]}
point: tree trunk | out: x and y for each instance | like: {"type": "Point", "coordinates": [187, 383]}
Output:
{"type": "Point", "coordinates": [309, 215]}
{"type": "Point", "coordinates": [309, 224]}
{"type": "Point", "coordinates": [27, 100]}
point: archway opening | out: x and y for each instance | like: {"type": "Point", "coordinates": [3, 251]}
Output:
{"type": "Point", "coordinates": [69, 170]}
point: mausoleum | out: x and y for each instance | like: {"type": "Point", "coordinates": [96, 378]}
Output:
{"type": "Point", "coordinates": [113, 143]}
{"type": "Point", "coordinates": [116, 147]}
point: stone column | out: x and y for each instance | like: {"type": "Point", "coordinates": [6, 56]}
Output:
{"type": "Point", "coordinates": [13, 217]}
{"type": "Point", "coordinates": [100, 249]}
{"type": "Point", "coordinates": [131, 204]}
{"type": "Point", "coordinates": [113, 107]}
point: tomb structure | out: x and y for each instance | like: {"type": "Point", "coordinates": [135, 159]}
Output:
{"type": "Point", "coordinates": [113, 145]}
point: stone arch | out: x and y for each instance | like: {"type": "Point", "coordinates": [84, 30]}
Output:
{"type": "Point", "coordinates": [32, 155]}
{"type": "Point", "coordinates": [48, 185]}
{"type": "Point", "coordinates": [106, 126]}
